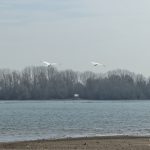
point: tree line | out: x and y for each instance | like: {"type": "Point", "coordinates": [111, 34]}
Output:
{"type": "Point", "coordinates": [46, 83]}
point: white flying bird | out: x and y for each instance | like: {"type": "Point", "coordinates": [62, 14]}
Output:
{"type": "Point", "coordinates": [97, 64]}
{"type": "Point", "coordinates": [49, 64]}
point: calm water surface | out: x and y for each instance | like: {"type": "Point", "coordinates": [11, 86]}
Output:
{"type": "Point", "coordinates": [26, 120]}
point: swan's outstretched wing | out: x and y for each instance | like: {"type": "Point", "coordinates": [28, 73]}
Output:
{"type": "Point", "coordinates": [46, 63]}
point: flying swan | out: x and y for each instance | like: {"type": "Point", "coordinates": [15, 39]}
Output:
{"type": "Point", "coordinates": [48, 64]}
{"type": "Point", "coordinates": [97, 64]}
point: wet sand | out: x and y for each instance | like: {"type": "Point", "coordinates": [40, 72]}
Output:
{"type": "Point", "coordinates": [92, 143]}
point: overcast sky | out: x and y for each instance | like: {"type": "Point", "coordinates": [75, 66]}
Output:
{"type": "Point", "coordinates": [76, 32]}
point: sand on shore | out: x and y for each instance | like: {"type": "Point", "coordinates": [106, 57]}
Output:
{"type": "Point", "coordinates": [89, 143]}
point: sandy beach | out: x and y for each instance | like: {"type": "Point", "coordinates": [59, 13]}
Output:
{"type": "Point", "coordinates": [91, 143]}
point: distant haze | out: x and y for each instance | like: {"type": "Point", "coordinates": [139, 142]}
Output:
{"type": "Point", "coordinates": [76, 32]}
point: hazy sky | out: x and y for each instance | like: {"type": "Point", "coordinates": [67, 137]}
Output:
{"type": "Point", "coordinates": [75, 32]}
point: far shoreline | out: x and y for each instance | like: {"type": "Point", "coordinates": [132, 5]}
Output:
{"type": "Point", "coordinates": [42, 100]}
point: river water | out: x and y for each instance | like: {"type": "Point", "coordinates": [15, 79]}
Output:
{"type": "Point", "coordinates": [30, 120]}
